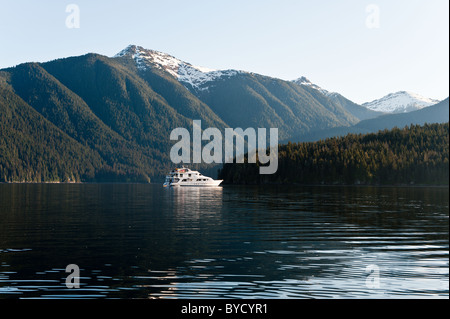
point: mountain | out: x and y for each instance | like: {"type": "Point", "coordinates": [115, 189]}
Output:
{"type": "Point", "coordinates": [356, 110]}
{"type": "Point", "coordinates": [33, 149]}
{"type": "Point", "coordinates": [107, 108]}
{"type": "Point", "coordinates": [306, 82]}
{"type": "Point", "coordinates": [267, 102]}
{"type": "Point", "coordinates": [400, 102]}
{"type": "Point", "coordinates": [193, 77]}
{"type": "Point", "coordinates": [98, 118]}
{"type": "Point", "coordinates": [438, 113]}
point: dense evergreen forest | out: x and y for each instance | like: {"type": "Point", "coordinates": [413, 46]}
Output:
{"type": "Point", "coordinates": [412, 155]}
{"type": "Point", "coordinates": [97, 119]}
{"type": "Point", "coordinates": [92, 118]}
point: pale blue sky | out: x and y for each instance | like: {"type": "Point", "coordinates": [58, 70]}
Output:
{"type": "Point", "coordinates": [326, 41]}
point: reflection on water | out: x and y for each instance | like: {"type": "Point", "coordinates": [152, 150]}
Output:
{"type": "Point", "coordinates": [194, 202]}
{"type": "Point", "coordinates": [144, 241]}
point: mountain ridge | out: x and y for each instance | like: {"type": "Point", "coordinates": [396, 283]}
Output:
{"type": "Point", "coordinates": [120, 116]}
{"type": "Point", "coordinates": [400, 102]}
{"type": "Point", "coordinates": [189, 74]}
{"type": "Point", "coordinates": [117, 113]}
{"type": "Point", "coordinates": [208, 84]}
{"type": "Point", "coordinates": [358, 111]}
{"type": "Point", "coordinates": [437, 113]}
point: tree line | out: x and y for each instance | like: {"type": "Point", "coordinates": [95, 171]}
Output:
{"type": "Point", "coordinates": [412, 155]}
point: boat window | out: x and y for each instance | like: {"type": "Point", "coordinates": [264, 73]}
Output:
{"type": "Point", "coordinates": [184, 180]}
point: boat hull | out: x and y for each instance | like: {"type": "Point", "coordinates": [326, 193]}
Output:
{"type": "Point", "coordinates": [215, 183]}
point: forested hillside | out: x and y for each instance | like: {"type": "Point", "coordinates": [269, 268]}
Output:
{"type": "Point", "coordinates": [96, 118]}
{"type": "Point", "coordinates": [412, 155]}
{"type": "Point", "coordinates": [32, 149]}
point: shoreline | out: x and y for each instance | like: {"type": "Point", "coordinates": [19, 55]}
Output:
{"type": "Point", "coordinates": [240, 185]}
{"type": "Point", "coordinates": [344, 185]}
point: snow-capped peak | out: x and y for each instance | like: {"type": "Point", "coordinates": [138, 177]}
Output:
{"type": "Point", "coordinates": [195, 76]}
{"type": "Point", "coordinates": [304, 81]}
{"type": "Point", "coordinates": [400, 102]}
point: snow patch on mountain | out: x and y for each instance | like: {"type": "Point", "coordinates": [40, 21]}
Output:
{"type": "Point", "coordinates": [400, 102]}
{"type": "Point", "coordinates": [195, 76]}
{"type": "Point", "coordinates": [304, 81]}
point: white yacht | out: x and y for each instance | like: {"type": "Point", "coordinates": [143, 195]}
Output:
{"type": "Point", "coordinates": [183, 177]}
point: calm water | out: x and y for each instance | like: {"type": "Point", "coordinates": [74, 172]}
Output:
{"type": "Point", "coordinates": [143, 241]}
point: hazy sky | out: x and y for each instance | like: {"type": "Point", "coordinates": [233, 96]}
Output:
{"type": "Point", "coordinates": [361, 49]}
